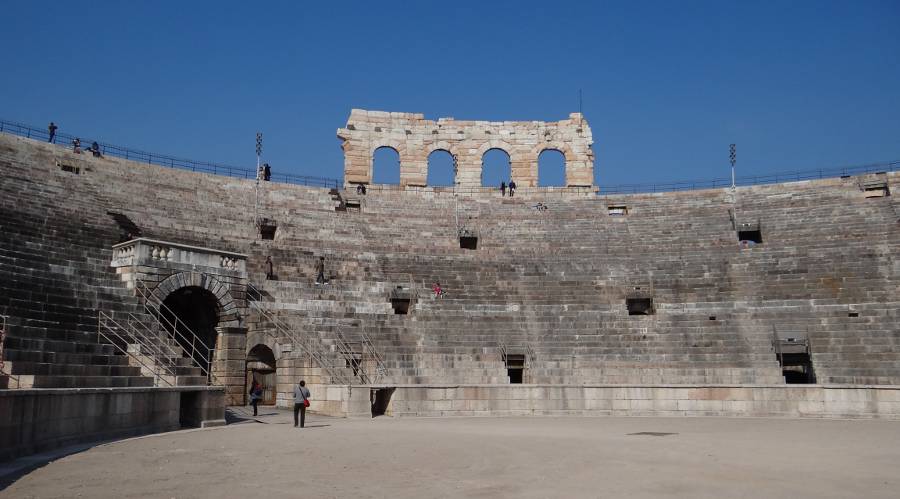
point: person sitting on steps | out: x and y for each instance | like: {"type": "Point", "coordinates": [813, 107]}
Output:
{"type": "Point", "coordinates": [438, 291]}
{"type": "Point", "coordinates": [320, 271]}
{"type": "Point", "coordinates": [95, 149]}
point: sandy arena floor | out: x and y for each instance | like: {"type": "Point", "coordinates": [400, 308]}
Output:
{"type": "Point", "coordinates": [487, 457]}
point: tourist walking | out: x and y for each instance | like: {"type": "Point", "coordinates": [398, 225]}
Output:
{"type": "Point", "coordinates": [76, 146]}
{"type": "Point", "coordinates": [301, 402]}
{"type": "Point", "coordinates": [256, 393]}
{"type": "Point", "coordinates": [52, 129]}
{"type": "Point", "coordinates": [320, 271]}
{"type": "Point", "coordinates": [512, 188]}
{"type": "Point", "coordinates": [502, 189]}
{"type": "Point", "coordinates": [270, 275]}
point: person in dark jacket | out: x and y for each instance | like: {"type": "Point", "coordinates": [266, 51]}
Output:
{"type": "Point", "coordinates": [301, 402]}
{"type": "Point", "coordinates": [512, 188]}
{"type": "Point", "coordinates": [256, 393]}
{"type": "Point", "coordinates": [269, 272]}
{"type": "Point", "coordinates": [95, 149]}
{"type": "Point", "coordinates": [52, 129]}
{"type": "Point", "coordinates": [502, 188]}
{"type": "Point", "coordinates": [320, 271]}
{"type": "Point", "coordinates": [267, 172]}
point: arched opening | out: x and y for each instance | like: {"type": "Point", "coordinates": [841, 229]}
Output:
{"type": "Point", "coordinates": [386, 166]}
{"type": "Point", "coordinates": [441, 168]}
{"type": "Point", "coordinates": [495, 168]}
{"type": "Point", "coordinates": [191, 311]}
{"type": "Point", "coordinates": [551, 168]}
{"type": "Point", "coordinates": [261, 367]}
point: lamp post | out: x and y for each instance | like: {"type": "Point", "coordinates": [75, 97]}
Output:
{"type": "Point", "coordinates": [733, 157]}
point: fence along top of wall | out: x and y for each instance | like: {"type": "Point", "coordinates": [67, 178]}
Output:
{"type": "Point", "coordinates": [415, 138]}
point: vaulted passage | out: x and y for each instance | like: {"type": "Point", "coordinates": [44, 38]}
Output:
{"type": "Point", "coordinates": [261, 367]}
{"type": "Point", "coordinates": [193, 311]}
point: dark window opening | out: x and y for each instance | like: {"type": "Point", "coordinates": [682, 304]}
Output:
{"type": "Point", "coordinates": [797, 369]}
{"type": "Point", "coordinates": [267, 232]}
{"type": "Point", "coordinates": [712, 317]}
{"type": "Point", "coordinates": [876, 189]}
{"type": "Point", "coordinates": [617, 211]}
{"type": "Point", "coordinates": [353, 204]}
{"type": "Point", "coordinates": [380, 398]}
{"type": "Point", "coordinates": [400, 305]}
{"type": "Point", "coordinates": [853, 314]}
{"type": "Point", "coordinates": [515, 368]}
{"type": "Point", "coordinates": [752, 236]}
{"type": "Point", "coordinates": [639, 306]}
{"type": "Point", "coordinates": [468, 242]}
{"type": "Point", "coordinates": [69, 168]}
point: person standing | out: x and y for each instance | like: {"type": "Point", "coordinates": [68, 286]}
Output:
{"type": "Point", "coordinates": [270, 275]}
{"type": "Point", "coordinates": [301, 402]}
{"type": "Point", "coordinates": [320, 271]}
{"type": "Point", "coordinates": [502, 189]}
{"type": "Point", "coordinates": [256, 393]}
{"type": "Point", "coordinates": [52, 129]}
{"type": "Point", "coordinates": [267, 172]}
{"type": "Point", "coordinates": [76, 146]}
{"type": "Point", "coordinates": [512, 188]}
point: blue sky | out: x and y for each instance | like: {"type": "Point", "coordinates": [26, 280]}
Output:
{"type": "Point", "coordinates": [667, 85]}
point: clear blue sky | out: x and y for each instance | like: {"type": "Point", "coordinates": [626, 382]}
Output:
{"type": "Point", "coordinates": [667, 85]}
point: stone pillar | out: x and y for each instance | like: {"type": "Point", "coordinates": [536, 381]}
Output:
{"type": "Point", "coordinates": [231, 362]}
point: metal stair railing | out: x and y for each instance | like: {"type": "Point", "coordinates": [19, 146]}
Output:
{"type": "Point", "coordinates": [3, 372]}
{"type": "Point", "coordinates": [306, 344]}
{"type": "Point", "coordinates": [115, 334]}
{"type": "Point", "coordinates": [192, 344]}
{"type": "Point", "coordinates": [367, 354]}
{"type": "Point", "coordinates": [153, 341]}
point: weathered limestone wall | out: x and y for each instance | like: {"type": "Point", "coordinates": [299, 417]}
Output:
{"type": "Point", "coordinates": [415, 138]}
{"type": "Point", "coordinates": [39, 420]}
{"type": "Point", "coordinates": [805, 401]}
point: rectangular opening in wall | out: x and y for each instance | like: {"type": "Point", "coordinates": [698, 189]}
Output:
{"type": "Point", "coordinates": [267, 228]}
{"type": "Point", "coordinates": [712, 317]}
{"type": "Point", "coordinates": [749, 234]}
{"type": "Point", "coordinates": [400, 305]}
{"type": "Point", "coordinates": [617, 211]}
{"type": "Point", "coordinates": [468, 242]}
{"type": "Point", "coordinates": [515, 368]}
{"type": "Point", "coordinates": [70, 168]}
{"type": "Point", "coordinates": [853, 314]}
{"type": "Point", "coordinates": [876, 189]}
{"type": "Point", "coordinates": [639, 306]}
{"type": "Point", "coordinates": [353, 204]}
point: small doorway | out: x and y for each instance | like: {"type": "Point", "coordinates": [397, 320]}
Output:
{"type": "Point", "coordinates": [515, 367]}
{"type": "Point", "coordinates": [261, 367]}
{"type": "Point", "coordinates": [380, 398]}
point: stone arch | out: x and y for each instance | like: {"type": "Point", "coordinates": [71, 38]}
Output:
{"type": "Point", "coordinates": [393, 145]}
{"type": "Point", "coordinates": [534, 155]}
{"type": "Point", "coordinates": [227, 309]}
{"type": "Point", "coordinates": [443, 146]}
{"type": "Point", "coordinates": [500, 146]}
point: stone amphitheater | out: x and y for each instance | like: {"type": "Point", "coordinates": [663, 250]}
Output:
{"type": "Point", "coordinates": [134, 295]}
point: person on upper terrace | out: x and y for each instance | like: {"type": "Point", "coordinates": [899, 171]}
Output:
{"type": "Point", "coordinates": [76, 146]}
{"type": "Point", "coordinates": [438, 291]}
{"type": "Point", "coordinates": [95, 149]}
{"type": "Point", "coordinates": [512, 188]}
{"type": "Point", "coordinates": [52, 129]}
{"type": "Point", "coordinates": [320, 271]}
{"type": "Point", "coordinates": [361, 189]}
{"type": "Point", "coordinates": [502, 189]}
{"type": "Point", "coordinates": [267, 172]}
{"type": "Point", "coordinates": [270, 275]}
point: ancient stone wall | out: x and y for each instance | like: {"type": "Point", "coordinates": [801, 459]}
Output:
{"type": "Point", "coordinates": [415, 138]}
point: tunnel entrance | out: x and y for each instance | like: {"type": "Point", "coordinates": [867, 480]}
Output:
{"type": "Point", "coordinates": [261, 367]}
{"type": "Point", "coordinates": [795, 357]}
{"type": "Point", "coordinates": [380, 398]}
{"type": "Point", "coordinates": [191, 311]}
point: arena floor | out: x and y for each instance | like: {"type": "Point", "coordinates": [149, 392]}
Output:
{"type": "Point", "coordinates": [487, 457]}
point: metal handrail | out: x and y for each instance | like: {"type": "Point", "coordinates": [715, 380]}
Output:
{"type": "Point", "coordinates": [65, 140]}
{"type": "Point", "coordinates": [367, 349]}
{"type": "Point", "coordinates": [159, 347]}
{"type": "Point", "coordinates": [255, 297]}
{"type": "Point", "coordinates": [3, 332]}
{"type": "Point", "coordinates": [199, 348]}
{"type": "Point", "coordinates": [103, 321]}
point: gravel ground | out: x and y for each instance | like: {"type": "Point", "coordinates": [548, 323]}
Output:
{"type": "Point", "coordinates": [487, 457]}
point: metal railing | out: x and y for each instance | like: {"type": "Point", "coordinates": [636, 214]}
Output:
{"type": "Point", "coordinates": [65, 140]}
{"type": "Point", "coordinates": [118, 336]}
{"type": "Point", "coordinates": [368, 355]}
{"type": "Point", "coordinates": [308, 346]}
{"type": "Point", "coordinates": [197, 350]}
{"type": "Point", "coordinates": [3, 372]}
{"type": "Point", "coordinates": [773, 178]}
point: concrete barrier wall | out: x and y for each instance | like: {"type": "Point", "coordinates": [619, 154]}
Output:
{"type": "Point", "coordinates": [798, 401]}
{"type": "Point", "coordinates": [42, 419]}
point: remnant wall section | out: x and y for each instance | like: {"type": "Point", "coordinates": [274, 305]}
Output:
{"type": "Point", "coordinates": [415, 138]}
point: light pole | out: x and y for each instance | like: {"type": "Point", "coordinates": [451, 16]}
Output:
{"type": "Point", "coordinates": [258, 154]}
{"type": "Point", "coordinates": [733, 156]}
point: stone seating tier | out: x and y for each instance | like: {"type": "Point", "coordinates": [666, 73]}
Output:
{"type": "Point", "coordinates": [554, 280]}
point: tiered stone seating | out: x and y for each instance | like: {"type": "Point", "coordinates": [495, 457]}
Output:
{"type": "Point", "coordinates": [555, 280]}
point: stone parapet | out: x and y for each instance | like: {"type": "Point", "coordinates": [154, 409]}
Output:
{"type": "Point", "coordinates": [415, 138]}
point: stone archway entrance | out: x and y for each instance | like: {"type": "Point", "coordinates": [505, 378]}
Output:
{"type": "Point", "coordinates": [192, 315]}
{"type": "Point", "coordinates": [262, 367]}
